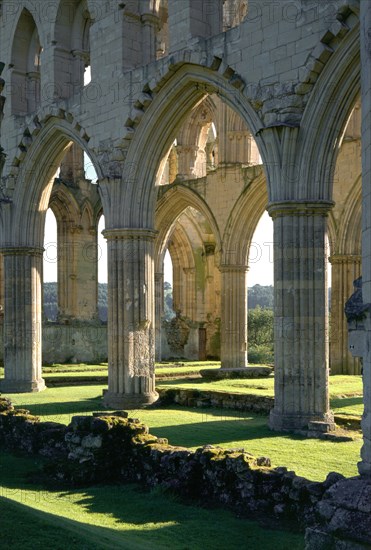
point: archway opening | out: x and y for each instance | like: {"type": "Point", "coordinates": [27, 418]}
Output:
{"type": "Point", "coordinates": [344, 248]}
{"type": "Point", "coordinates": [50, 268]}
{"type": "Point", "coordinates": [71, 246]}
{"type": "Point", "coordinates": [260, 293]}
{"type": "Point", "coordinates": [72, 61]}
{"type": "Point", "coordinates": [213, 154]}
{"type": "Point", "coordinates": [189, 304]}
{"type": "Point", "coordinates": [102, 272]}
{"type": "Point", "coordinates": [25, 66]}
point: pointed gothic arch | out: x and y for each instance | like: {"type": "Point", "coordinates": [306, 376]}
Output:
{"type": "Point", "coordinates": [25, 66]}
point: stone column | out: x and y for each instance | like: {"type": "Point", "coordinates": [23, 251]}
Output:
{"type": "Point", "coordinates": [77, 273]}
{"type": "Point", "coordinates": [81, 61]}
{"type": "Point", "coordinates": [173, 165]}
{"type": "Point", "coordinates": [72, 166]}
{"type": "Point", "coordinates": [233, 317]}
{"type": "Point", "coordinates": [187, 156]}
{"type": "Point", "coordinates": [159, 311]}
{"type": "Point", "coordinates": [22, 320]}
{"type": "Point", "coordinates": [151, 26]}
{"type": "Point", "coordinates": [301, 315]}
{"type": "Point", "coordinates": [2, 306]}
{"type": "Point", "coordinates": [131, 318]}
{"type": "Point", "coordinates": [364, 466]}
{"type": "Point", "coordinates": [189, 303]}
{"type": "Point", "coordinates": [1, 285]}
{"type": "Point", "coordinates": [345, 269]}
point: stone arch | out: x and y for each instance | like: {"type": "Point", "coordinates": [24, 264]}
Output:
{"type": "Point", "coordinates": [346, 237]}
{"type": "Point", "coordinates": [61, 203]}
{"type": "Point", "coordinates": [71, 45]}
{"type": "Point", "coordinates": [25, 65]}
{"type": "Point", "coordinates": [243, 221]}
{"type": "Point", "coordinates": [350, 230]}
{"type": "Point", "coordinates": [182, 256]}
{"type": "Point", "coordinates": [347, 18]}
{"type": "Point", "coordinates": [192, 138]}
{"type": "Point", "coordinates": [31, 177]}
{"type": "Point", "coordinates": [190, 132]}
{"type": "Point", "coordinates": [186, 88]}
{"type": "Point", "coordinates": [324, 119]}
{"type": "Point", "coordinates": [169, 207]}
{"type": "Point", "coordinates": [87, 215]}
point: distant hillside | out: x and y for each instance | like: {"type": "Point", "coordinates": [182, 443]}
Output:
{"type": "Point", "coordinates": [257, 296]}
{"type": "Point", "coordinates": [51, 301]}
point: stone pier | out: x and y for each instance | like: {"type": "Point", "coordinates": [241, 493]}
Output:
{"type": "Point", "coordinates": [364, 465]}
{"type": "Point", "coordinates": [234, 317]}
{"type": "Point", "coordinates": [22, 320]}
{"type": "Point", "coordinates": [346, 268]}
{"type": "Point", "coordinates": [159, 310]}
{"type": "Point", "coordinates": [301, 315]}
{"type": "Point", "coordinates": [131, 318]}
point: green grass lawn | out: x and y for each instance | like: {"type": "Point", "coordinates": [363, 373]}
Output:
{"type": "Point", "coordinates": [345, 391]}
{"type": "Point", "coordinates": [196, 427]}
{"type": "Point", "coordinates": [124, 517]}
{"type": "Point", "coordinates": [171, 369]}
{"type": "Point", "coordinates": [339, 385]}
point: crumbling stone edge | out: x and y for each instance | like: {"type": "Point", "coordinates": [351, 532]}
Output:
{"type": "Point", "coordinates": [110, 447]}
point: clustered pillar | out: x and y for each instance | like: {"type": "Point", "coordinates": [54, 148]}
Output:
{"type": "Point", "coordinates": [22, 320]}
{"type": "Point", "coordinates": [365, 19]}
{"type": "Point", "coordinates": [131, 318]}
{"type": "Point", "coordinates": [301, 315]}
{"type": "Point", "coordinates": [234, 317]}
{"type": "Point", "coordinates": [77, 273]}
{"type": "Point", "coordinates": [346, 268]}
{"type": "Point", "coordinates": [159, 307]}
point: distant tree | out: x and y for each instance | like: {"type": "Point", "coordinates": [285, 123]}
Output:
{"type": "Point", "coordinates": [50, 301]}
{"type": "Point", "coordinates": [260, 325]}
{"type": "Point", "coordinates": [103, 301]}
{"type": "Point", "coordinates": [259, 295]}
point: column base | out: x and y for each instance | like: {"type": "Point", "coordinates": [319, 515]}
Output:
{"type": "Point", "coordinates": [128, 400]}
{"type": "Point", "coordinates": [282, 422]}
{"type": "Point", "coordinates": [22, 386]}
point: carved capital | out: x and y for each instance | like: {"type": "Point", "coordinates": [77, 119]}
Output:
{"type": "Point", "coordinates": [224, 268]}
{"type": "Point", "coordinates": [345, 259]}
{"type": "Point", "coordinates": [299, 208]}
{"type": "Point", "coordinates": [21, 251]}
{"type": "Point", "coordinates": [130, 234]}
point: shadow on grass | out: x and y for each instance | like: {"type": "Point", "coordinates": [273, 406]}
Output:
{"type": "Point", "coordinates": [55, 408]}
{"type": "Point", "coordinates": [132, 519]}
{"type": "Point", "coordinates": [343, 402]}
{"type": "Point", "coordinates": [216, 426]}
{"type": "Point", "coordinates": [37, 527]}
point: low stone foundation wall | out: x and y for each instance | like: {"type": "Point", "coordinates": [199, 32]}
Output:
{"type": "Point", "coordinates": [109, 447]}
{"type": "Point", "coordinates": [201, 399]}
{"type": "Point", "coordinates": [74, 343]}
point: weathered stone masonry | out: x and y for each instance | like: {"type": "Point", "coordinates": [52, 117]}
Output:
{"type": "Point", "coordinates": [110, 447]}
{"type": "Point", "coordinates": [291, 74]}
